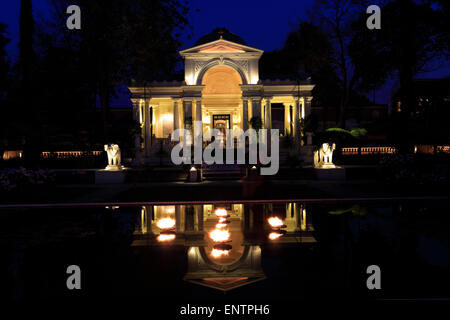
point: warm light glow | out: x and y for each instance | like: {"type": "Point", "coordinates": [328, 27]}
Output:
{"type": "Point", "coordinates": [166, 223]}
{"type": "Point", "coordinates": [206, 119]}
{"type": "Point", "coordinates": [275, 222]}
{"type": "Point", "coordinates": [216, 253]}
{"type": "Point", "coordinates": [193, 169]}
{"type": "Point", "coordinates": [221, 225]}
{"type": "Point", "coordinates": [218, 235]}
{"type": "Point", "coordinates": [303, 226]}
{"type": "Point", "coordinates": [220, 212]}
{"type": "Point", "coordinates": [166, 117]}
{"type": "Point", "coordinates": [222, 219]}
{"type": "Point", "coordinates": [143, 220]}
{"type": "Point", "coordinates": [165, 237]}
{"type": "Point", "coordinates": [170, 209]}
{"type": "Point", "coordinates": [274, 235]}
{"type": "Point", "coordinates": [221, 48]}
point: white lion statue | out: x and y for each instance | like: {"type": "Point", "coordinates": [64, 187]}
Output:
{"type": "Point", "coordinates": [324, 156]}
{"type": "Point", "coordinates": [114, 158]}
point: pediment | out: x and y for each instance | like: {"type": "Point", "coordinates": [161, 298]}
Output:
{"type": "Point", "coordinates": [220, 46]}
{"type": "Point", "coordinates": [226, 284]}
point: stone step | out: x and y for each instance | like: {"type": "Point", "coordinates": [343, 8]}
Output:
{"type": "Point", "coordinates": [221, 172]}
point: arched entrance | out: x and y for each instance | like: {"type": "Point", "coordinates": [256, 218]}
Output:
{"type": "Point", "coordinates": [222, 98]}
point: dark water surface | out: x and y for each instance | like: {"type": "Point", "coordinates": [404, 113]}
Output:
{"type": "Point", "coordinates": [323, 252]}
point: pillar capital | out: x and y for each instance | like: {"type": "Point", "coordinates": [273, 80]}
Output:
{"type": "Point", "coordinates": [257, 98]}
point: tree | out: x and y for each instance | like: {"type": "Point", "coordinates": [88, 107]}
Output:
{"type": "Point", "coordinates": [4, 86]}
{"type": "Point", "coordinates": [26, 63]}
{"type": "Point", "coordinates": [121, 40]}
{"type": "Point", "coordinates": [413, 39]}
{"type": "Point", "coordinates": [335, 18]}
{"type": "Point", "coordinates": [409, 42]}
{"type": "Point", "coordinates": [4, 62]}
{"type": "Point", "coordinates": [305, 53]}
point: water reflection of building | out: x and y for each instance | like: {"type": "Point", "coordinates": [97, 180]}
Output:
{"type": "Point", "coordinates": [248, 232]}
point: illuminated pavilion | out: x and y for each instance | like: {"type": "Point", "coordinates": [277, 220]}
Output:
{"type": "Point", "coordinates": [221, 88]}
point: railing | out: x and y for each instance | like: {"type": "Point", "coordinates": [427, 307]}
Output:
{"type": "Point", "coordinates": [427, 149]}
{"type": "Point", "coordinates": [349, 151]}
{"type": "Point", "coordinates": [14, 154]}
{"type": "Point", "coordinates": [367, 150]}
{"type": "Point", "coordinates": [69, 154]}
{"type": "Point", "coordinates": [430, 149]}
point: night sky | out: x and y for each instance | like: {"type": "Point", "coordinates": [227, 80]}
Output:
{"type": "Point", "coordinates": [262, 24]}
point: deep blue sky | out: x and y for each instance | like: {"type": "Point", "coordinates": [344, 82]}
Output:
{"type": "Point", "coordinates": [261, 23]}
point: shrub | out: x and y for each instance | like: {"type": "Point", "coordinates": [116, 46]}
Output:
{"type": "Point", "coordinates": [12, 179]}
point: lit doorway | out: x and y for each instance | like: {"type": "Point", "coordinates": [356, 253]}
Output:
{"type": "Point", "coordinates": [222, 123]}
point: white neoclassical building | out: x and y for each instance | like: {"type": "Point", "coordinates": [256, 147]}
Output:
{"type": "Point", "coordinates": [221, 88]}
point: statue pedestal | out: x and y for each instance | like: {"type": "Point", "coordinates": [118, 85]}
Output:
{"type": "Point", "coordinates": [330, 172]}
{"type": "Point", "coordinates": [110, 176]}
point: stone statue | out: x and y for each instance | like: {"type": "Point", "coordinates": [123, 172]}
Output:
{"type": "Point", "coordinates": [324, 156]}
{"type": "Point", "coordinates": [114, 158]}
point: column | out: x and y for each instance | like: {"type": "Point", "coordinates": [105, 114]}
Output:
{"type": "Point", "coordinates": [268, 115]}
{"type": "Point", "coordinates": [137, 138]}
{"type": "Point", "coordinates": [245, 114]}
{"type": "Point", "coordinates": [256, 107]}
{"type": "Point", "coordinates": [295, 112]}
{"type": "Point", "coordinates": [200, 217]}
{"type": "Point", "coordinates": [176, 118]}
{"type": "Point", "coordinates": [307, 105]}
{"type": "Point", "coordinates": [187, 109]}
{"type": "Point", "coordinates": [286, 119]}
{"type": "Point", "coordinates": [136, 117]}
{"type": "Point", "coordinates": [198, 110]}
{"type": "Point", "coordinates": [148, 135]}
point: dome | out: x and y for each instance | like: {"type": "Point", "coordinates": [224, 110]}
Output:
{"type": "Point", "coordinates": [216, 34]}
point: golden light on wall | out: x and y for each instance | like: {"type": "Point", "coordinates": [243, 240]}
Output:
{"type": "Point", "coordinates": [166, 117]}
{"type": "Point", "coordinates": [207, 118]}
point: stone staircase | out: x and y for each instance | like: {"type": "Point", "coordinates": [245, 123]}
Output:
{"type": "Point", "coordinates": [222, 172]}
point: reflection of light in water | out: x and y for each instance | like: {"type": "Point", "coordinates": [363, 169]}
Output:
{"type": "Point", "coordinates": [166, 223]}
{"type": "Point", "coordinates": [170, 209]}
{"type": "Point", "coordinates": [166, 237]}
{"type": "Point", "coordinates": [143, 220]}
{"type": "Point", "coordinates": [274, 235]}
{"type": "Point", "coordinates": [216, 253]}
{"type": "Point", "coordinates": [220, 212]}
{"type": "Point", "coordinates": [222, 220]}
{"type": "Point", "coordinates": [303, 225]}
{"type": "Point", "coordinates": [219, 235]}
{"type": "Point", "coordinates": [275, 222]}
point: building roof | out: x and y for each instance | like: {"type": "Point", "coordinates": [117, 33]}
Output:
{"type": "Point", "coordinates": [220, 33]}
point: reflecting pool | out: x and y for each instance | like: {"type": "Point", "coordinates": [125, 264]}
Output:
{"type": "Point", "coordinates": [274, 251]}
